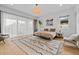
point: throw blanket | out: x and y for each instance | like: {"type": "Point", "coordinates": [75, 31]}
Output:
{"type": "Point", "coordinates": [38, 46]}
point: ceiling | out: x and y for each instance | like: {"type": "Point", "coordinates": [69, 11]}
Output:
{"type": "Point", "coordinates": [46, 9]}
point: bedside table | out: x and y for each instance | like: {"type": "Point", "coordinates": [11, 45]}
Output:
{"type": "Point", "coordinates": [59, 35]}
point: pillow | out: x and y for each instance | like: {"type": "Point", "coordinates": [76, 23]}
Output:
{"type": "Point", "coordinates": [52, 30]}
{"type": "Point", "coordinates": [46, 29]}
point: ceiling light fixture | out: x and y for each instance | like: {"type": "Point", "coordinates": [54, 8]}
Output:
{"type": "Point", "coordinates": [36, 9]}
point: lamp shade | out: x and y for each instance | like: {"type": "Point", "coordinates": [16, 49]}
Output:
{"type": "Point", "coordinates": [36, 10]}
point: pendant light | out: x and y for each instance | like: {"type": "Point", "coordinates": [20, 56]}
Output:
{"type": "Point", "coordinates": [36, 10]}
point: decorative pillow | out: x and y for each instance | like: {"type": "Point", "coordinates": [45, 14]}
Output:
{"type": "Point", "coordinates": [52, 29]}
{"type": "Point", "coordinates": [46, 29]}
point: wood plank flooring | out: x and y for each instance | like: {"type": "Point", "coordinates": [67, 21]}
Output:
{"type": "Point", "coordinates": [68, 50]}
{"type": "Point", "coordinates": [9, 48]}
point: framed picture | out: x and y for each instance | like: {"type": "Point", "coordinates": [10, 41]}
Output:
{"type": "Point", "coordinates": [49, 22]}
{"type": "Point", "coordinates": [64, 20]}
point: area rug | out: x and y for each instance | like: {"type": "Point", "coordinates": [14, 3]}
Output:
{"type": "Point", "coordinates": [34, 45]}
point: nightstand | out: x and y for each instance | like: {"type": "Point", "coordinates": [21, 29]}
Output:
{"type": "Point", "coordinates": [59, 35]}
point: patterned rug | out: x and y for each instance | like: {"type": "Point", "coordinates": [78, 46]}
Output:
{"type": "Point", "coordinates": [34, 45]}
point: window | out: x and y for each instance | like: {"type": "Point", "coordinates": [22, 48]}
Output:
{"type": "Point", "coordinates": [15, 25]}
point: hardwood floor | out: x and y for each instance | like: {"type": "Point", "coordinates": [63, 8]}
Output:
{"type": "Point", "coordinates": [9, 48]}
{"type": "Point", "coordinates": [70, 49]}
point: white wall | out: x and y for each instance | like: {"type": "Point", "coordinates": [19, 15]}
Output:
{"type": "Point", "coordinates": [77, 15]}
{"type": "Point", "coordinates": [72, 21]}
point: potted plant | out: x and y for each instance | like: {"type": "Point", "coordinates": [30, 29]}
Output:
{"type": "Point", "coordinates": [40, 24]}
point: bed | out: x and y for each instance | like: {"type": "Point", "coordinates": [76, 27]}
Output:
{"type": "Point", "coordinates": [46, 34]}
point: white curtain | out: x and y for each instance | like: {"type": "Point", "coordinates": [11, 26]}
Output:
{"type": "Point", "coordinates": [15, 25]}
